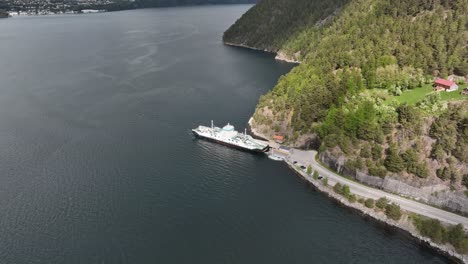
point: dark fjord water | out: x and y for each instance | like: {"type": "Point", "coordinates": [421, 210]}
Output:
{"type": "Point", "coordinates": [98, 165]}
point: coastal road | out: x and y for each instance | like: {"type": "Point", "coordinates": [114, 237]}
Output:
{"type": "Point", "coordinates": [308, 158]}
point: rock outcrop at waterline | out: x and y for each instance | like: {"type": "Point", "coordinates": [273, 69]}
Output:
{"type": "Point", "coordinates": [282, 56]}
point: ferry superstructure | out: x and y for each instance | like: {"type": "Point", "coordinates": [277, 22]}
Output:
{"type": "Point", "coordinates": [228, 136]}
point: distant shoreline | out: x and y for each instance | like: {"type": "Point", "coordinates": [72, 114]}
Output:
{"type": "Point", "coordinates": [111, 8]}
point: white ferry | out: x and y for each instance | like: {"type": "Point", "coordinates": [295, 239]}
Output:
{"type": "Point", "coordinates": [230, 137]}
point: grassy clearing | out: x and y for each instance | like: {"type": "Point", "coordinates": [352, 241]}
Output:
{"type": "Point", "coordinates": [413, 96]}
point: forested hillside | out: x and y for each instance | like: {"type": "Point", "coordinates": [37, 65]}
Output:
{"type": "Point", "coordinates": [359, 89]}
{"type": "Point", "coordinates": [271, 23]}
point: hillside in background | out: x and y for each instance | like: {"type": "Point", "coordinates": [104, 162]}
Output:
{"type": "Point", "coordinates": [271, 23]}
{"type": "Point", "coordinates": [363, 92]}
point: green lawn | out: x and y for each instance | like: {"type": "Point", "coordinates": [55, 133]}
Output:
{"type": "Point", "coordinates": [415, 95]}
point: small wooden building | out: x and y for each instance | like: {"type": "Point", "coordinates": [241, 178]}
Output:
{"type": "Point", "coordinates": [445, 85]}
{"type": "Point", "coordinates": [278, 139]}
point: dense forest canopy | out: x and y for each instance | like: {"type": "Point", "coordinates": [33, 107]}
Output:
{"type": "Point", "coordinates": [360, 59]}
{"type": "Point", "coordinates": [371, 44]}
{"type": "Point", "coordinates": [271, 23]}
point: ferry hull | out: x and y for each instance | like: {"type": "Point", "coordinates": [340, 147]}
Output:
{"type": "Point", "coordinates": [266, 149]}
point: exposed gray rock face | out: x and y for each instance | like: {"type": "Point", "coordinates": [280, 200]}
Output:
{"type": "Point", "coordinates": [433, 194]}
{"type": "Point", "coordinates": [369, 180]}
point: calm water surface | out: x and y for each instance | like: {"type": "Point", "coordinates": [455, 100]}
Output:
{"type": "Point", "coordinates": [97, 164]}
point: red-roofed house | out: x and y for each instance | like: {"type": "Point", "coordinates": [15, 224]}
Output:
{"type": "Point", "coordinates": [445, 85]}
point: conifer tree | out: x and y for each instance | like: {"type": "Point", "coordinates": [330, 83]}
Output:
{"type": "Point", "coordinates": [394, 162]}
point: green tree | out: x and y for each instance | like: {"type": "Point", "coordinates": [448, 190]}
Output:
{"type": "Point", "coordinates": [309, 169]}
{"type": "Point", "coordinates": [465, 180]}
{"type": "Point", "coordinates": [409, 117]}
{"type": "Point", "coordinates": [394, 162]}
{"type": "Point", "coordinates": [463, 247]}
{"type": "Point", "coordinates": [359, 164]}
{"type": "Point", "coordinates": [369, 203]}
{"type": "Point", "coordinates": [438, 153]}
{"type": "Point", "coordinates": [461, 69]}
{"type": "Point", "coordinates": [338, 188]}
{"type": "Point", "coordinates": [444, 173]}
{"type": "Point", "coordinates": [410, 156]}
{"type": "Point", "coordinates": [376, 152]}
{"type": "Point", "coordinates": [325, 181]}
{"type": "Point", "coordinates": [421, 170]}
{"type": "Point", "coordinates": [393, 211]}
{"type": "Point", "coordinates": [316, 175]}
{"type": "Point", "coordinates": [365, 151]}
{"type": "Point", "coordinates": [387, 127]}
{"type": "Point", "coordinates": [456, 235]}
{"type": "Point", "coordinates": [378, 171]}
{"type": "Point", "coordinates": [346, 191]}
{"type": "Point", "coordinates": [431, 228]}
{"type": "Point", "coordinates": [382, 203]}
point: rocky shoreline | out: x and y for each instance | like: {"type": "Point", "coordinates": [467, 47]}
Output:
{"type": "Point", "coordinates": [255, 134]}
{"type": "Point", "coordinates": [447, 251]}
{"type": "Point", "coordinates": [405, 226]}
{"type": "Point", "coordinates": [280, 56]}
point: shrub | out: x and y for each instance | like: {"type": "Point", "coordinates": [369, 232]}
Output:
{"type": "Point", "coordinates": [382, 203]}
{"type": "Point", "coordinates": [345, 191]}
{"type": "Point", "coordinates": [369, 203]}
{"type": "Point", "coordinates": [316, 175]}
{"type": "Point", "coordinates": [358, 163]}
{"type": "Point", "coordinates": [463, 247]}
{"type": "Point", "coordinates": [376, 152]}
{"type": "Point", "coordinates": [276, 128]}
{"type": "Point", "coordinates": [444, 173]}
{"type": "Point", "coordinates": [366, 151]}
{"type": "Point", "coordinates": [456, 235]}
{"type": "Point", "coordinates": [352, 198]}
{"type": "Point", "coordinates": [465, 180]}
{"type": "Point", "coordinates": [338, 188]}
{"type": "Point", "coordinates": [378, 171]}
{"type": "Point", "coordinates": [325, 181]}
{"type": "Point", "coordinates": [387, 128]}
{"type": "Point", "coordinates": [361, 200]}
{"type": "Point", "coordinates": [393, 211]}
{"type": "Point", "coordinates": [309, 170]}
{"type": "Point", "coordinates": [431, 228]}
{"type": "Point", "coordinates": [438, 152]}
{"type": "Point", "coordinates": [421, 170]}
{"type": "Point", "coordinates": [345, 144]}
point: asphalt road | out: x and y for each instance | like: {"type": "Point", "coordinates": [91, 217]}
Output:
{"type": "Point", "coordinates": [308, 158]}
